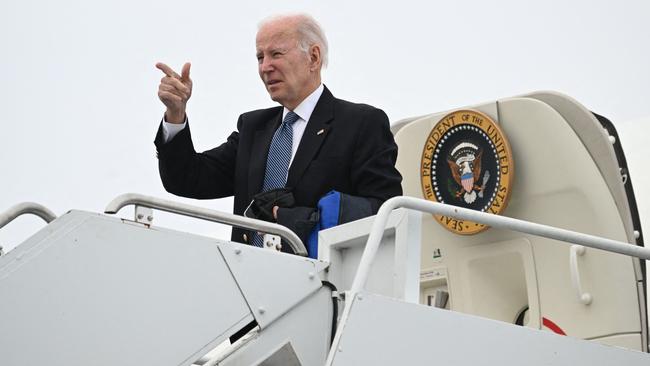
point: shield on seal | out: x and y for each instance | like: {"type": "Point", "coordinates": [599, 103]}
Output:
{"type": "Point", "coordinates": [467, 180]}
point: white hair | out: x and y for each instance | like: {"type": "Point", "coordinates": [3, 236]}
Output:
{"type": "Point", "coordinates": [309, 32]}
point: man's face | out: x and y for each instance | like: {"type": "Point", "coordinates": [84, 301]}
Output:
{"type": "Point", "coordinates": [286, 70]}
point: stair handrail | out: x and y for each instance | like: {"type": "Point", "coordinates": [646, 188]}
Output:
{"type": "Point", "coordinates": [495, 221]}
{"type": "Point", "coordinates": [26, 208]}
{"type": "Point", "coordinates": [136, 199]}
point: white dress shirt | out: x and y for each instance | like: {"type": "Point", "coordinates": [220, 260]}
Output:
{"type": "Point", "coordinates": [303, 110]}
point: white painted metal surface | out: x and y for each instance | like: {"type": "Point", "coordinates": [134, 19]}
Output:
{"type": "Point", "coordinates": [92, 290]}
{"type": "Point", "coordinates": [396, 270]}
{"type": "Point", "coordinates": [272, 282]}
{"type": "Point", "coordinates": [566, 176]}
{"type": "Point", "coordinates": [299, 335]}
{"type": "Point", "coordinates": [382, 331]}
{"type": "Point", "coordinates": [596, 141]}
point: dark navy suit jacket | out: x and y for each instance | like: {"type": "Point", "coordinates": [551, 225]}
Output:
{"type": "Point", "coordinates": [346, 147]}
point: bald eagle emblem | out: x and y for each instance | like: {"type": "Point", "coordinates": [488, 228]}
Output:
{"type": "Point", "coordinates": [465, 164]}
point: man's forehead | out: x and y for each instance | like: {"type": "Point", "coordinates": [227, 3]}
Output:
{"type": "Point", "coordinates": [275, 35]}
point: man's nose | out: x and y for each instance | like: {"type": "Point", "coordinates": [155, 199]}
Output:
{"type": "Point", "coordinates": [266, 65]}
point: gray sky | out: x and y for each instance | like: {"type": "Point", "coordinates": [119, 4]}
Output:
{"type": "Point", "coordinates": [79, 85]}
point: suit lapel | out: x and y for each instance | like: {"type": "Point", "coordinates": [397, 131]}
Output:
{"type": "Point", "coordinates": [259, 153]}
{"type": "Point", "coordinates": [317, 129]}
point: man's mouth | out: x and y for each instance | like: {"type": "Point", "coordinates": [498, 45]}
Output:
{"type": "Point", "coordinates": [272, 82]}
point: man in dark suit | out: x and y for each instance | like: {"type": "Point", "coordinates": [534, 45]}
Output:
{"type": "Point", "coordinates": [335, 144]}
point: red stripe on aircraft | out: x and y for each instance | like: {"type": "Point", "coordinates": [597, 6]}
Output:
{"type": "Point", "coordinates": [552, 326]}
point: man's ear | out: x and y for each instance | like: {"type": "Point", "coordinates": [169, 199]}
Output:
{"type": "Point", "coordinates": [315, 57]}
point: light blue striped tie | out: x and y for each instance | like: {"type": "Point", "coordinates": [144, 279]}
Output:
{"type": "Point", "coordinates": [277, 162]}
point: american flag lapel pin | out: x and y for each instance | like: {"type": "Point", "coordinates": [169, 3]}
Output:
{"type": "Point", "coordinates": [320, 132]}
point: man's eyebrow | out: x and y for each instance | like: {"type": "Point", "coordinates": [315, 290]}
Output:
{"type": "Point", "coordinates": [278, 49]}
{"type": "Point", "coordinates": [260, 52]}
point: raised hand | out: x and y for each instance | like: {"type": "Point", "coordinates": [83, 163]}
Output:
{"type": "Point", "coordinates": [174, 91]}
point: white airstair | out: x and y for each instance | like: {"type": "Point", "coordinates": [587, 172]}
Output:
{"type": "Point", "coordinates": [395, 288]}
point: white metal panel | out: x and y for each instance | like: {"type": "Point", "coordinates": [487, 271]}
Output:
{"type": "Point", "coordinates": [557, 183]}
{"type": "Point", "coordinates": [382, 331]}
{"type": "Point", "coordinates": [396, 270]}
{"type": "Point", "coordinates": [306, 328]}
{"type": "Point", "coordinates": [106, 292]}
{"type": "Point", "coordinates": [497, 281]}
{"type": "Point", "coordinates": [272, 282]}
{"type": "Point", "coordinates": [35, 243]}
{"type": "Point", "coordinates": [490, 109]}
{"type": "Point", "coordinates": [629, 341]}
{"type": "Point", "coordinates": [595, 139]}
{"type": "Point", "coordinates": [600, 148]}
{"type": "Point", "coordinates": [283, 356]}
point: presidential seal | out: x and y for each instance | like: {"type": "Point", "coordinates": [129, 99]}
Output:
{"type": "Point", "coordinates": [467, 162]}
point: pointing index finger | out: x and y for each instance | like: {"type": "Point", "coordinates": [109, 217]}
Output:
{"type": "Point", "coordinates": [167, 70]}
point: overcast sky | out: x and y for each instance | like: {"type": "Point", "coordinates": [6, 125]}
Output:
{"type": "Point", "coordinates": [79, 85]}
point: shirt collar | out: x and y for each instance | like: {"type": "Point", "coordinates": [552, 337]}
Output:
{"type": "Point", "coordinates": [306, 107]}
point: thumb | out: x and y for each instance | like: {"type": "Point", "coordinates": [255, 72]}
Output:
{"type": "Point", "coordinates": [185, 72]}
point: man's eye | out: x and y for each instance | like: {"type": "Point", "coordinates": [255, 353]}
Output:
{"type": "Point", "coordinates": [277, 54]}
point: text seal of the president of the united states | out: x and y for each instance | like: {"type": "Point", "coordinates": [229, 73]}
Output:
{"type": "Point", "coordinates": [467, 162]}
